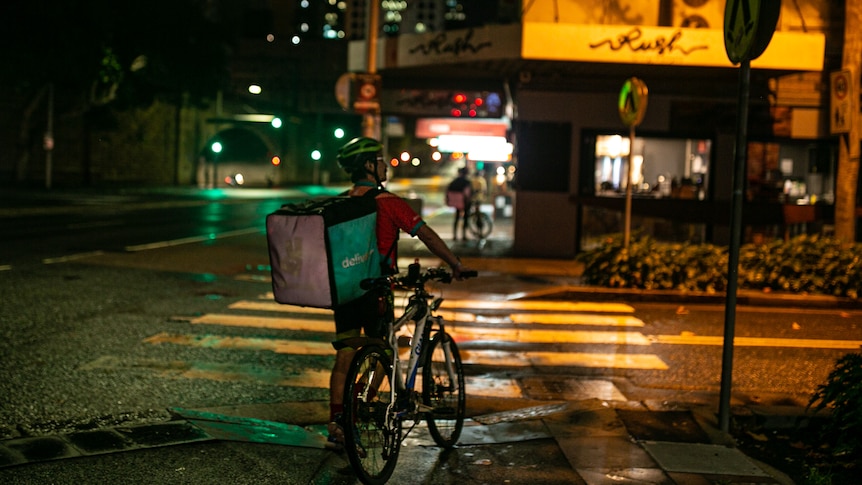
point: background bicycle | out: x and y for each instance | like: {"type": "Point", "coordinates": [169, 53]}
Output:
{"type": "Point", "coordinates": [479, 223]}
{"type": "Point", "coordinates": [382, 395]}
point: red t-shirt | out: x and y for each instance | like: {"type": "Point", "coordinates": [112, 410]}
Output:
{"type": "Point", "coordinates": [393, 213]}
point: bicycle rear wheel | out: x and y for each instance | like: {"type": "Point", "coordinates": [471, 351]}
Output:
{"type": "Point", "coordinates": [372, 440]}
{"type": "Point", "coordinates": [480, 224]}
{"type": "Point", "coordinates": [443, 390]}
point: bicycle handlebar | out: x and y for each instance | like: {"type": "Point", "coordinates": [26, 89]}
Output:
{"type": "Point", "coordinates": [414, 278]}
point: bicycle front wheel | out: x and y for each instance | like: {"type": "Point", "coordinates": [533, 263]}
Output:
{"type": "Point", "coordinates": [480, 224]}
{"type": "Point", "coordinates": [372, 435]}
{"type": "Point", "coordinates": [443, 390]}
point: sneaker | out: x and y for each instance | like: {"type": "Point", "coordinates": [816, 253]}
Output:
{"type": "Point", "coordinates": [336, 435]}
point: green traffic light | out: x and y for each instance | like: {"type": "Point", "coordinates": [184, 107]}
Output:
{"type": "Point", "coordinates": [216, 147]}
{"type": "Point", "coordinates": [276, 122]}
{"type": "Point", "coordinates": [316, 155]}
{"type": "Point", "coordinates": [338, 133]}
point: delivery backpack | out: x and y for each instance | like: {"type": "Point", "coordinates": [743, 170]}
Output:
{"type": "Point", "coordinates": [321, 249]}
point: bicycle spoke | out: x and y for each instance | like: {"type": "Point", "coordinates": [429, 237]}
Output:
{"type": "Point", "coordinates": [443, 390]}
{"type": "Point", "coordinates": [372, 442]}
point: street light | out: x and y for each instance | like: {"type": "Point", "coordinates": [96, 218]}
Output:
{"type": "Point", "coordinates": [316, 156]}
{"type": "Point", "coordinates": [216, 148]}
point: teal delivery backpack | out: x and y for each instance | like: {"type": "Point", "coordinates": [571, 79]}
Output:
{"type": "Point", "coordinates": [321, 249]}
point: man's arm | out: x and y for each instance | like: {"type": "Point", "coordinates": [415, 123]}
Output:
{"type": "Point", "coordinates": [437, 246]}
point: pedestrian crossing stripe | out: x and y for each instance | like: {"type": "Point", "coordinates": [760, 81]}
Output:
{"type": "Point", "coordinates": [499, 358]}
{"type": "Point", "coordinates": [459, 332]}
{"type": "Point", "coordinates": [521, 318]}
{"type": "Point", "coordinates": [577, 319]}
{"type": "Point", "coordinates": [280, 346]}
{"type": "Point", "coordinates": [266, 303]}
{"type": "Point", "coordinates": [539, 305]}
{"type": "Point", "coordinates": [477, 386]}
{"type": "Point", "coordinates": [469, 355]}
{"type": "Point", "coordinates": [216, 371]}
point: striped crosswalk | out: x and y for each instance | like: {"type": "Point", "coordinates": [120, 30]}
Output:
{"type": "Point", "coordinates": [533, 334]}
{"type": "Point", "coordinates": [492, 335]}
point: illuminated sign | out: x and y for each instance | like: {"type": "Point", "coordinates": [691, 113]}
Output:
{"type": "Point", "coordinates": [588, 42]}
{"type": "Point", "coordinates": [434, 127]}
{"type": "Point", "coordinates": [627, 44]}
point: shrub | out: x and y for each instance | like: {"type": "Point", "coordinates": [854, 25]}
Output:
{"type": "Point", "coordinates": [805, 264]}
{"type": "Point", "coordinates": [842, 393]}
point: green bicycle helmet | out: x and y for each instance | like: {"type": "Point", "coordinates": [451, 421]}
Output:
{"type": "Point", "coordinates": [353, 155]}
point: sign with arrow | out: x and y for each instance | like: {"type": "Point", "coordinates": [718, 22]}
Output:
{"type": "Point", "coordinates": [748, 27]}
{"type": "Point", "coordinates": [633, 102]}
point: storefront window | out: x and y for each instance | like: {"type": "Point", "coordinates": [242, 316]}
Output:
{"type": "Point", "coordinates": [662, 167]}
{"type": "Point", "coordinates": [790, 172]}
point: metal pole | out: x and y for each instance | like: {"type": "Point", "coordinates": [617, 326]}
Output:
{"type": "Point", "coordinates": [740, 153]}
{"type": "Point", "coordinates": [49, 139]}
{"type": "Point", "coordinates": [628, 218]}
{"type": "Point", "coordinates": [371, 120]}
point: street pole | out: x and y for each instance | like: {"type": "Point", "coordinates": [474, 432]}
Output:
{"type": "Point", "coordinates": [739, 157]}
{"type": "Point", "coordinates": [371, 119]}
{"type": "Point", "coordinates": [628, 217]}
{"type": "Point", "coordinates": [49, 139]}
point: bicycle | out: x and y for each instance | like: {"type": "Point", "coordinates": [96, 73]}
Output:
{"type": "Point", "coordinates": [377, 411]}
{"type": "Point", "coordinates": [479, 223]}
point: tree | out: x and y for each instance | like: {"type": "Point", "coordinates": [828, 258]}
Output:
{"type": "Point", "coordinates": [99, 55]}
{"type": "Point", "coordinates": [847, 178]}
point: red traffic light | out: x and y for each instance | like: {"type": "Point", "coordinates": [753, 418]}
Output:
{"type": "Point", "coordinates": [276, 160]}
{"type": "Point", "coordinates": [459, 98]}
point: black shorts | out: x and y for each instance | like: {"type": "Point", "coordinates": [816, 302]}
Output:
{"type": "Point", "coordinates": [370, 312]}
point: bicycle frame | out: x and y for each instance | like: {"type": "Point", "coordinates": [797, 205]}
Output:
{"type": "Point", "coordinates": [419, 311]}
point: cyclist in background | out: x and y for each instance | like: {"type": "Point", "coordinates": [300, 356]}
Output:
{"type": "Point", "coordinates": [362, 159]}
{"type": "Point", "coordinates": [458, 196]}
{"type": "Point", "coordinates": [479, 189]}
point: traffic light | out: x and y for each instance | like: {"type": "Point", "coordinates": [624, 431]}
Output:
{"type": "Point", "coordinates": [275, 160]}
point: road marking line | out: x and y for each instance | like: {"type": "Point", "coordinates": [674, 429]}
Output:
{"type": "Point", "coordinates": [543, 305]}
{"type": "Point", "coordinates": [462, 333]}
{"type": "Point", "coordinates": [577, 319]}
{"type": "Point", "coordinates": [459, 333]}
{"type": "Point", "coordinates": [756, 342]}
{"type": "Point", "coordinates": [216, 371]}
{"type": "Point", "coordinates": [493, 387]}
{"type": "Point", "coordinates": [525, 318]}
{"type": "Point", "coordinates": [469, 356]}
{"type": "Point", "coordinates": [192, 239]}
{"type": "Point", "coordinates": [269, 306]}
{"type": "Point", "coordinates": [498, 358]}
{"type": "Point", "coordinates": [279, 346]}
{"type": "Point", "coordinates": [72, 257]}
{"type": "Point", "coordinates": [524, 305]}
{"type": "Point", "coordinates": [326, 326]}
{"type": "Point", "coordinates": [310, 378]}
{"type": "Point", "coordinates": [546, 336]}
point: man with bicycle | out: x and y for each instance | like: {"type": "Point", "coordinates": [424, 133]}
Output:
{"type": "Point", "coordinates": [362, 159]}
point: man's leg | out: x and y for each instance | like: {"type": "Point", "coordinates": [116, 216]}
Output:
{"type": "Point", "coordinates": [337, 379]}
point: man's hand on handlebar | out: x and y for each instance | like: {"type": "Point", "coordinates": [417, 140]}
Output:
{"type": "Point", "coordinates": [461, 272]}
